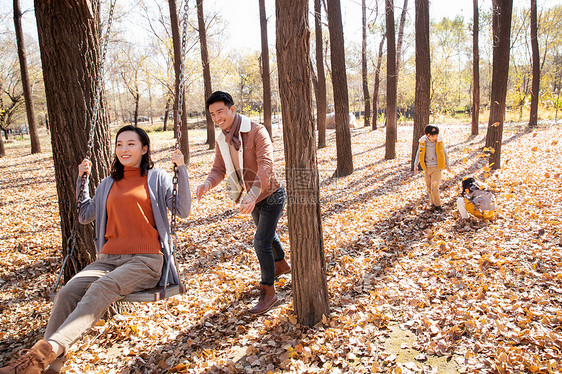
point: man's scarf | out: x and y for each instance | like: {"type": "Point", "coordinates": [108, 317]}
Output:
{"type": "Point", "coordinates": [233, 136]}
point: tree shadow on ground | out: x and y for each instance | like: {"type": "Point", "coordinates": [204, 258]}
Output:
{"type": "Point", "coordinates": [210, 219]}
{"type": "Point", "coordinates": [9, 347]}
{"type": "Point", "coordinates": [18, 181]}
{"type": "Point", "coordinates": [12, 235]}
{"type": "Point", "coordinates": [397, 175]}
{"type": "Point", "coordinates": [36, 160]}
{"type": "Point", "coordinates": [219, 328]}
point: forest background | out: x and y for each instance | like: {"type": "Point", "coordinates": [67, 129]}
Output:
{"type": "Point", "coordinates": [139, 76]}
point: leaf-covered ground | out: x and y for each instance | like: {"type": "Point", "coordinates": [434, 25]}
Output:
{"type": "Point", "coordinates": [411, 291]}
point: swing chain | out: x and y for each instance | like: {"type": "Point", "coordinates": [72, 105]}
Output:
{"type": "Point", "coordinates": [94, 118]}
{"type": "Point", "coordinates": [173, 223]}
{"type": "Point", "coordinates": [181, 88]}
{"type": "Point", "coordinates": [99, 82]}
{"type": "Point", "coordinates": [71, 241]}
{"type": "Point", "coordinates": [180, 115]}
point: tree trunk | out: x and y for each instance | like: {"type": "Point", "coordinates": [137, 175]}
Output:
{"type": "Point", "coordinates": [180, 124]}
{"type": "Point", "coordinates": [149, 102]}
{"type": "Point", "coordinates": [423, 75]}
{"type": "Point", "coordinates": [206, 71]}
{"type": "Point", "coordinates": [390, 148]}
{"type": "Point", "coordinates": [313, 78]}
{"type": "Point", "coordinates": [2, 147]}
{"type": "Point", "coordinates": [6, 114]}
{"type": "Point", "coordinates": [265, 71]}
{"type": "Point", "coordinates": [366, 95]}
{"type": "Point", "coordinates": [400, 38]}
{"type": "Point", "coordinates": [501, 25]}
{"type": "Point", "coordinates": [535, 87]}
{"type": "Point", "coordinates": [70, 81]}
{"type": "Point", "coordinates": [310, 288]}
{"type": "Point", "coordinates": [118, 106]}
{"type": "Point", "coordinates": [475, 69]}
{"type": "Point", "coordinates": [136, 97]}
{"type": "Point", "coordinates": [34, 137]}
{"type": "Point", "coordinates": [339, 82]}
{"type": "Point", "coordinates": [377, 83]}
{"type": "Point", "coordinates": [177, 51]}
{"type": "Point", "coordinates": [166, 113]}
{"type": "Point", "coordinates": [134, 90]}
{"type": "Point", "coordinates": [399, 44]}
{"type": "Point", "coordinates": [321, 96]}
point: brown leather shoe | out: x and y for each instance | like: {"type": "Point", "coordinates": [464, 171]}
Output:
{"type": "Point", "coordinates": [267, 299]}
{"type": "Point", "coordinates": [56, 366]}
{"type": "Point", "coordinates": [31, 361]}
{"type": "Point", "coordinates": [282, 267]}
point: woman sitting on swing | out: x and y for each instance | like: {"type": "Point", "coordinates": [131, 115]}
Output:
{"type": "Point", "coordinates": [133, 243]}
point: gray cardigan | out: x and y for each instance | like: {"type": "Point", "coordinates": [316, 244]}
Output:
{"type": "Point", "coordinates": [160, 189]}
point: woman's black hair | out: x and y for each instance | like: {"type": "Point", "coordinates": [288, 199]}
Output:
{"type": "Point", "coordinates": [117, 168]}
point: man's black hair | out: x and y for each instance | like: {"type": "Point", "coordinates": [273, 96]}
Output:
{"type": "Point", "coordinates": [431, 130]}
{"type": "Point", "coordinates": [219, 96]}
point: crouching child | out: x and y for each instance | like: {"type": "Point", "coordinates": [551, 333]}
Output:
{"type": "Point", "coordinates": [476, 200]}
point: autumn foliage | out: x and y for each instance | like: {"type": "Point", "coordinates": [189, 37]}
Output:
{"type": "Point", "coordinates": [411, 291]}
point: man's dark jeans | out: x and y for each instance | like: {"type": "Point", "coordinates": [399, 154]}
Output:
{"type": "Point", "coordinates": [267, 245]}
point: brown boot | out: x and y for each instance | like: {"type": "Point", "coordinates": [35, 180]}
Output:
{"type": "Point", "coordinates": [282, 267]}
{"type": "Point", "coordinates": [31, 361]}
{"type": "Point", "coordinates": [267, 299]}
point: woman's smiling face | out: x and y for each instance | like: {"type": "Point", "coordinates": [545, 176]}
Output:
{"type": "Point", "coordinates": [129, 149]}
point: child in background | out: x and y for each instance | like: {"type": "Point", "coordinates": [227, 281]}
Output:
{"type": "Point", "coordinates": [432, 156]}
{"type": "Point", "coordinates": [476, 199]}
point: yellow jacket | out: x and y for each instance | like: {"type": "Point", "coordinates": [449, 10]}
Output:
{"type": "Point", "coordinates": [440, 149]}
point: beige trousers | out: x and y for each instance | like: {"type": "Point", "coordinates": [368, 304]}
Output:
{"type": "Point", "coordinates": [86, 297]}
{"type": "Point", "coordinates": [432, 181]}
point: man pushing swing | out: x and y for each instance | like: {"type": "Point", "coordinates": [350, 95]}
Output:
{"type": "Point", "coordinates": [245, 156]}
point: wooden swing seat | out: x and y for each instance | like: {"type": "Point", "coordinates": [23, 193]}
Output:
{"type": "Point", "coordinates": [154, 294]}
{"type": "Point", "coordinates": [147, 296]}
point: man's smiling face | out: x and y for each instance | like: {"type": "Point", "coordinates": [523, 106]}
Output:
{"type": "Point", "coordinates": [222, 115]}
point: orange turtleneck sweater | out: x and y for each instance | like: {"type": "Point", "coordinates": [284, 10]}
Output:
{"type": "Point", "coordinates": [130, 221]}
